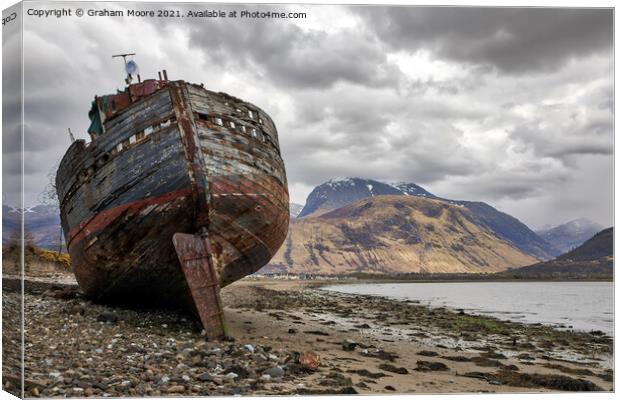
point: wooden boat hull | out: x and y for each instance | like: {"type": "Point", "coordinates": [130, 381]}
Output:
{"type": "Point", "coordinates": [173, 161]}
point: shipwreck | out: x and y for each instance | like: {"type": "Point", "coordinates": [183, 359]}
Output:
{"type": "Point", "coordinates": [180, 191]}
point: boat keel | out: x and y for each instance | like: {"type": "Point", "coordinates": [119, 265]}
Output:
{"type": "Point", "coordinates": [194, 252]}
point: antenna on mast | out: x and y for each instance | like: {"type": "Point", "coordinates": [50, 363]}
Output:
{"type": "Point", "coordinates": [131, 67]}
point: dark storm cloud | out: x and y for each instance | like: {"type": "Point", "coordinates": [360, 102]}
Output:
{"type": "Point", "coordinates": [582, 148]}
{"type": "Point", "coordinates": [512, 39]}
{"type": "Point", "coordinates": [510, 187]}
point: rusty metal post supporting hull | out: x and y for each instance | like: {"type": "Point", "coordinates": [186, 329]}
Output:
{"type": "Point", "coordinates": [194, 252]}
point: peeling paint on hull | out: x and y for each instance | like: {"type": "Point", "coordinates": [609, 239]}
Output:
{"type": "Point", "coordinates": [173, 161]}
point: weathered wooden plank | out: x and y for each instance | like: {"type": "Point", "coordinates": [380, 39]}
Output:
{"type": "Point", "coordinates": [145, 170]}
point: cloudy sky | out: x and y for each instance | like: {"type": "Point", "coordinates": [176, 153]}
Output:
{"type": "Point", "coordinates": [509, 106]}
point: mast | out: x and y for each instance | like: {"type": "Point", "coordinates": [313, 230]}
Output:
{"type": "Point", "coordinates": [131, 67]}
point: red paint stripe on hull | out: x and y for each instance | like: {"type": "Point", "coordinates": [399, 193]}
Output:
{"type": "Point", "coordinates": [104, 218]}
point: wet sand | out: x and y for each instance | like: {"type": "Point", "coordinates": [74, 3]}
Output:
{"type": "Point", "coordinates": [366, 345]}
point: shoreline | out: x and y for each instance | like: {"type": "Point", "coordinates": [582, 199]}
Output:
{"type": "Point", "coordinates": [366, 345]}
{"type": "Point", "coordinates": [456, 309]}
{"type": "Point", "coordinates": [388, 279]}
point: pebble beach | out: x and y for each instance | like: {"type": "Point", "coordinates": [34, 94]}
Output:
{"type": "Point", "coordinates": [286, 338]}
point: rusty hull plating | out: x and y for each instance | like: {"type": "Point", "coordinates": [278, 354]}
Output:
{"type": "Point", "coordinates": [170, 157]}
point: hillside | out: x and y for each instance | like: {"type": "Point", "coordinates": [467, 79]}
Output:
{"type": "Point", "coordinates": [39, 262]}
{"type": "Point", "coordinates": [393, 234]}
{"type": "Point", "coordinates": [294, 209]}
{"type": "Point", "coordinates": [337, 193]}
{"type": "Point", "coordinates": [511, 229]}
{"type": "Point", "coordinates": [593, 259]}
{"type": "Point", "coordinates": [600, 245]}
{"type": "Point", "coordinates": [571, 234]}
{"type": "Point", "coordinates": [42, 225]}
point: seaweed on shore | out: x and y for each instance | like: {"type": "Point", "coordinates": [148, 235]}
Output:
{"type": "Point", "coordinates": [558, 382]}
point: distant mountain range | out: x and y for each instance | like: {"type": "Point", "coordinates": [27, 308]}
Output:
{"type": "Point", "coordinates": [571, 234]}
{"type": "Point", "coordinates": [395, 234]}
{"type": "Point", "coordinates": [593, 259]}
{"type": "Point", "coordinates": [357, 224]}
{"type": "Point", "coordinates": [42, 225]}
{"type": "Point", "coordinates": [337, 193]}
{"type": "Point", "coordinates": [294, 209]}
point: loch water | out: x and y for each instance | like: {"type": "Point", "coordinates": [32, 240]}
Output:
{"type": "Point", "coordinates": [583, 306]}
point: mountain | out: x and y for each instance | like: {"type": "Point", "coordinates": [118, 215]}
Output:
{"type": "Point", "coordinates": [393, 234]}
{"type": "Point", "coordinates": [567, 236]}
{"type": "Point", "coordinates": [294, 209]}
{"type": "Point", "coordinates": [42, 225]}
{"type": "Point", "coordinates": [593, 259]}
{"type": "Point", "coordinates": [337, 193]}
{"type": "Point", "coordinates": [601, 245]}
{"type": "Point", "coordinates": [511, 229]}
